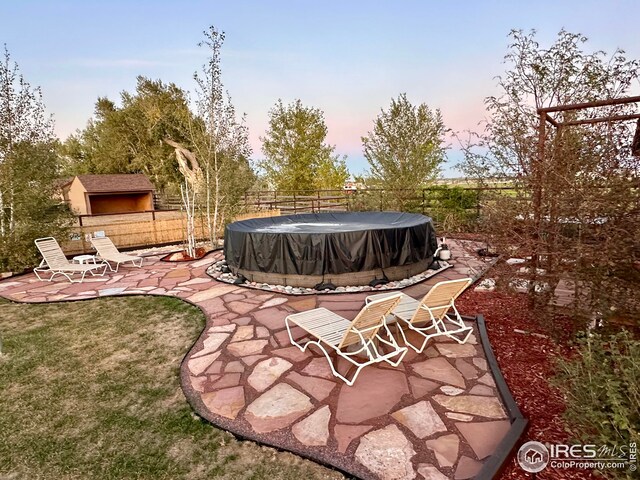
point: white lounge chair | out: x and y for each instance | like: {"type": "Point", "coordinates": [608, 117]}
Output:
{"type": "Point", "coordinates": [362, 334]}
{"type": "Point", "coordinates": [108, 252]}
{"type": "Point", "coordinates": [55, 262]}
{"type": "Point", "coordinates": [430, 316]}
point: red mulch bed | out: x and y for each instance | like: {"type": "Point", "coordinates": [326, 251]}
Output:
{"type": "Point", "coordinates": [527, 363]}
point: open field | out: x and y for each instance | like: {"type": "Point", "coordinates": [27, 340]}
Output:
{"type": "Point", "coordinates": [91, 390]}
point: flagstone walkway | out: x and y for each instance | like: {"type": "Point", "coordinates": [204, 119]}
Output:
{"type": "Point", "coordinates": [436, 416]}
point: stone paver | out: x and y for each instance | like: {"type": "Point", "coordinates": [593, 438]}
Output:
{"type": "Point", "coordinates": [421, 419]}
{"type": "Point", "coordinates": [313, 431]}
{"type": "Point", "coordinates": [452, 391]}
{"type": "Point", "coordinates": [484, 437]}
{"type": "Point", "coordinates": [377, 392]}
{"type": "Point", "coordinates": [468, 371]}
{"type": "Point", "coordinates": [316, 387]}
{"type": "Point", "coordinates": [441, 370]}
{"type": "Point", "coordinates": [481, 390]}
{"type": "Point", "coordinates": [429, 472]}
{"type": "Point", "coordinates": [445, 448]}
{"type": "Point", "coordinates": [387, 453]}
{"type": "Point", "coordinates": [455, 350]}
{"type": "Point", "coordinates": [413, 421]}
{"type": "Point", "coordinates": [318, 367]}
{"type": "Point", "coordinates": [346, 433]}
{"type": "Point", "coordinates": [277, 408]}
{"type": "Point", "coordinates": [227, 402]}
{"type": "Point", "coordinates": [243, 333]}
{"type": "Point", "coordinates": [420, 387]}
{"type": "Point", "coordinates": [266, 372]}
{"type": "Point", "coordinates": [200, 364]}
{"type": "Point", "coordinates": [247, 348]}
{"type": "Point", "coordinates": [489, 407]}
{"type": "Point", "coordinates": [467, 468]}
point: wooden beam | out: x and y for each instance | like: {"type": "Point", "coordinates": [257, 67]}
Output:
{"type": "Point", "coordinates": [613, 118]}
{"type": "Point", "coordinates": [597, 103]}
{"type": "Point", "coordinates": [551, 120]}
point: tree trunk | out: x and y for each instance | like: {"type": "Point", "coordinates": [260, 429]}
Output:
{"type": "Point", "coordinates": [208, 188]}
{"type": "Point", "coordinates": [216, 204]}
{"type": "Point", "coordinates": [12, 220]}
{"type": "Point", "coordinates": [2, 228]}
{"type": "Point", "coordinates": [189, 201]}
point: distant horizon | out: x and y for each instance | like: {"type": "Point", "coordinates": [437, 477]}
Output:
{"type": "Point", "coordinates": [348, 59]}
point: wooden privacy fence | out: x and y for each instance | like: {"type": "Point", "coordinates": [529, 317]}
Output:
{"type": "Point", "coordinates": [133, 230]}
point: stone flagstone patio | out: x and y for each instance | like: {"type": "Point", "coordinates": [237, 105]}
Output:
{"type": "Point", "coordinates": [438, 415]}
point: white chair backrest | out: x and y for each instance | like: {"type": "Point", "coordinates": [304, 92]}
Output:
{"type": "Point", "coordinates": [104, 246]}
{"type": "Point", "coordinates": [51, 252]}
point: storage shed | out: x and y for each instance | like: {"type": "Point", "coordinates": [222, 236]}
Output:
{"type": "Point", "coordinates": [109, 193]}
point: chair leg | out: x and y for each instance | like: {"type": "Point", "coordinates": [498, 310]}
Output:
{"type": "Point", "coordinates": [458, 322]}
{"type": "Point", "coordinates": [37, 272]}
{"type": "Point", "coordinates": [427, 337]}
{"type": "Point", "coordinates": [401, 351]}
{"type": "Point", "coordinates": [359, 366]}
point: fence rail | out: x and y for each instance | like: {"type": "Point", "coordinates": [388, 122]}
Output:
{"type": "Point", "coordinates": [451, 208]}
{"type": "Point", "coordinates": [300, 201]}
{"type": "Point", "coordinates": [140, 229]}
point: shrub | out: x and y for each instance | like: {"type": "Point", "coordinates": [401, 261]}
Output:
{"type": "Point", "coordinates": [602, 390]}
{"type": "Point", "coordinates": [454, 209]}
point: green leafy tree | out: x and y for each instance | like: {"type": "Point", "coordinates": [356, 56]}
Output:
{"type": "Point", "coordinates": [28, 168]}
{"type": "Point", "coordinates": [128, 138]}
{"type": "Point", "coordinates": [296, 155]}
{"type": "Point", "coordinates": [405, 148]}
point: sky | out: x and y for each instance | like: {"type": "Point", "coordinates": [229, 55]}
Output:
{"type": "Point", "coordinates": [347, 58]}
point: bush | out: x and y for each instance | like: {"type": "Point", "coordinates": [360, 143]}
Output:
{"type": "Point", "coordinates": [602, 390]}
{"type": "Point", "coordinates": [454, 209]}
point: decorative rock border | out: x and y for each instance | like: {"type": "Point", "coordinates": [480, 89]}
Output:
{"type": "Point", "coordinates": [215, 271]}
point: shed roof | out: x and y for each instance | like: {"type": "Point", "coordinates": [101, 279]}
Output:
{"type": "Point", "coordinates": [125, 182]}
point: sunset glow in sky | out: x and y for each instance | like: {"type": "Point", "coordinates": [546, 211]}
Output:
{"type": "Point", "coordinates": [348, 58]}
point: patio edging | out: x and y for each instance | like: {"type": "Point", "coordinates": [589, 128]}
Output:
{"type": "Point", "coordinates": [519, 424]}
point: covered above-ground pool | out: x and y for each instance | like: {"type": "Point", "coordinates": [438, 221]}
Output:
{"type": "Point", "coordinates": [349, 248]}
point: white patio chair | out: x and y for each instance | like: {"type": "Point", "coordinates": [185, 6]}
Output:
{"type": "Point", "coordinates": [108, 252]}
{"type": "Point", "coordinates": [55, 262]}
{"type": "Point", "coordinates": [432, 311]}
{"type": "Point", "coordinates": [362, 334]}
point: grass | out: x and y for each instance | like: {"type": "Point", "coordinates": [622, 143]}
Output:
{"type": "Point", "coordinates": [91, 390]}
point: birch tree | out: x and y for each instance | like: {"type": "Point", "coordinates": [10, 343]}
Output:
{"type": "Point", "coordinates": [28, 167]}
{"type": "Point", "coordinates": [221, 142]}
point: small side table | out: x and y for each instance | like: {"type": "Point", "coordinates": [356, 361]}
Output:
{"type": "Point", "coordinates": [82, 259]}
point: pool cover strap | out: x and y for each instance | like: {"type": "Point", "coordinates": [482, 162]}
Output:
{"type": "Point", "coordinates": [329, 243]}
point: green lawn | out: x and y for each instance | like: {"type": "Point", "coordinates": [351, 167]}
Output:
{"type": "Point", "coordinates": [91, 390]}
